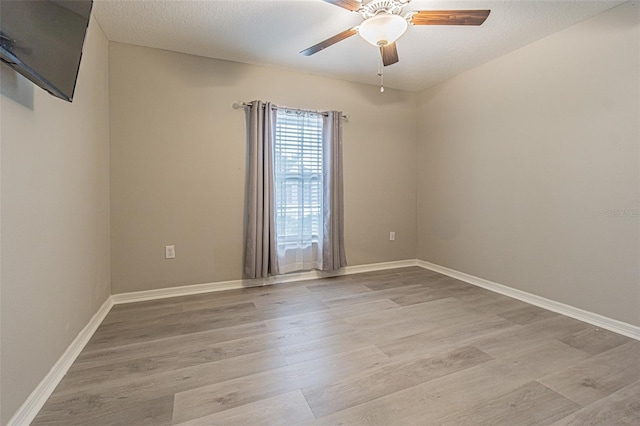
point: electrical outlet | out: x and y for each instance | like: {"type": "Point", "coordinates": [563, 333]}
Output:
{"type": "Point", "coordinates": [392, 236]}
{"type": "Point", "coordinates": [169, 252]}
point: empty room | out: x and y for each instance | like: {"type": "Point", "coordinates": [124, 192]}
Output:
{"type": "Point", "coordinates": [319, 212]}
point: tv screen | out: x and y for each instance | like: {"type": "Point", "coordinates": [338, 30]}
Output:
{"type": "Point", "coordinates": [43, 39]}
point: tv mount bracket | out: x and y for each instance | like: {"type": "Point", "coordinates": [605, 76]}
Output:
{"type": "Point", "coordinates": [6, 42]}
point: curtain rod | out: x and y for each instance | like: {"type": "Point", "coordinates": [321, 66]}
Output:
{"type": "Point", "coordinates": [238, 105]}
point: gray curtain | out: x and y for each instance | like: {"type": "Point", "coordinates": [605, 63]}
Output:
{"type": "Point", "coordinates": [260, 242]}
{"type": "Point", "coordinates": [333, 255]}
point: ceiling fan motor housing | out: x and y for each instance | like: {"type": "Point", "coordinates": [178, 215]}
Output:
{"type": "Point", "coordinates": [393, 7]}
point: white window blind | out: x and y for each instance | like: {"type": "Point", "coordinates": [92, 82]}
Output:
{"type": "Point", "coordinates": [298, 177]}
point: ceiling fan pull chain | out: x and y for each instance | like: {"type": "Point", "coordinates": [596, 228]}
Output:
{"type": "Point", "coordinates": [381, 72]}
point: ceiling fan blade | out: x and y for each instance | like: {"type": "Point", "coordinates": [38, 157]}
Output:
{"type": "Point", "coordinates": [449, 17]}
{"type": "Point", "coordinates": [329, 42]}
{"type": "Point", "coordinates": [351, 5]}
{"type": "Point", "coordinates": [389, 54]}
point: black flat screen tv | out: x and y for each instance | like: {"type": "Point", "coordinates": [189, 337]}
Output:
{"type": "Point", "coordinates": [43, 40]}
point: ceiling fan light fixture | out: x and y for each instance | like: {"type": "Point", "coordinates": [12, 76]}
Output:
{"type": "Point", "coordinates": [383, 29]}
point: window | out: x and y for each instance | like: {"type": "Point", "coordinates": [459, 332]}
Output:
{"type": "Point", "coordinates": [295, 213]}
{"type": "Point", "coordinates": [298, 178]}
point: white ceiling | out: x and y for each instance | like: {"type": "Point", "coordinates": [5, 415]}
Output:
{"type": "Point", "coordinates": [273, 32]}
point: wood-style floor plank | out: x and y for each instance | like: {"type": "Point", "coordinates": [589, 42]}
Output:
{"type": "Point", "coordinates": [93, 356]}
{"type": "Point", "coordinates": [595, 378]}
{"type": "Point", "coordinates": [282, 410]}
{"type": "Point", "coordinates": [619, 408]}
{"type": "Point", "coordinates": [527, 315]}
{"type": "Point", "coordinates": [543, 358]}
{"type": "Point", "coordinates": [211, 399]}
{"type": "Point", "coordinates": [530, 404]}
{"type": "Point", "coordinates": [404, 346]}
{"type": "Point", "coordinates": [369, 385]}
{"type": "Point", "coordinates": [98, 400]}
{"type": "Point", "coordinates": [595, 340]}
{"type": "Point", "coordinates": [444, 338]}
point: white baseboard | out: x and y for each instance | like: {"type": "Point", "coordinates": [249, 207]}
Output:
{"type": "Point", "coordinates": [30, 408]}
{"type": "Point", "coordinates": [140, 296]}
{"type": "Point", "coordinates": [598, 320]}
{"type": "Point", "coordinates": [380, 266]}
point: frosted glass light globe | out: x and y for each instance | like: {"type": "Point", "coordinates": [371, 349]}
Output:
{"type": "Point", "coordinates": [383, 29]}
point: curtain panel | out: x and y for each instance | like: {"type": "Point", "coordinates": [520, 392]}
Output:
{"type": "Point", "coordinates": [333, 252]}
{"type": "Point", "coordinates": [260, 242]}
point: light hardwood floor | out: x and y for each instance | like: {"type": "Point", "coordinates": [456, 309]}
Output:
{"type": "Point", "coordinates": [397, 347]}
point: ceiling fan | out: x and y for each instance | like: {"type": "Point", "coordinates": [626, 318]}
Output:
{"type": "Point", "coordinates": [383, 23]}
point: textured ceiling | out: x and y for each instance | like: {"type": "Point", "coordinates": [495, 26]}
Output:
{"type": "Point", "coordinates": [273, 32]}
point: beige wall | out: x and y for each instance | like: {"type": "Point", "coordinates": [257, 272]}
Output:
{"type": "Point", "coordinates": [55, 219]}
{"type": "Point", "coordinates": [178, 164]}
{"type": "Point", "coordinates": [520, 161]}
